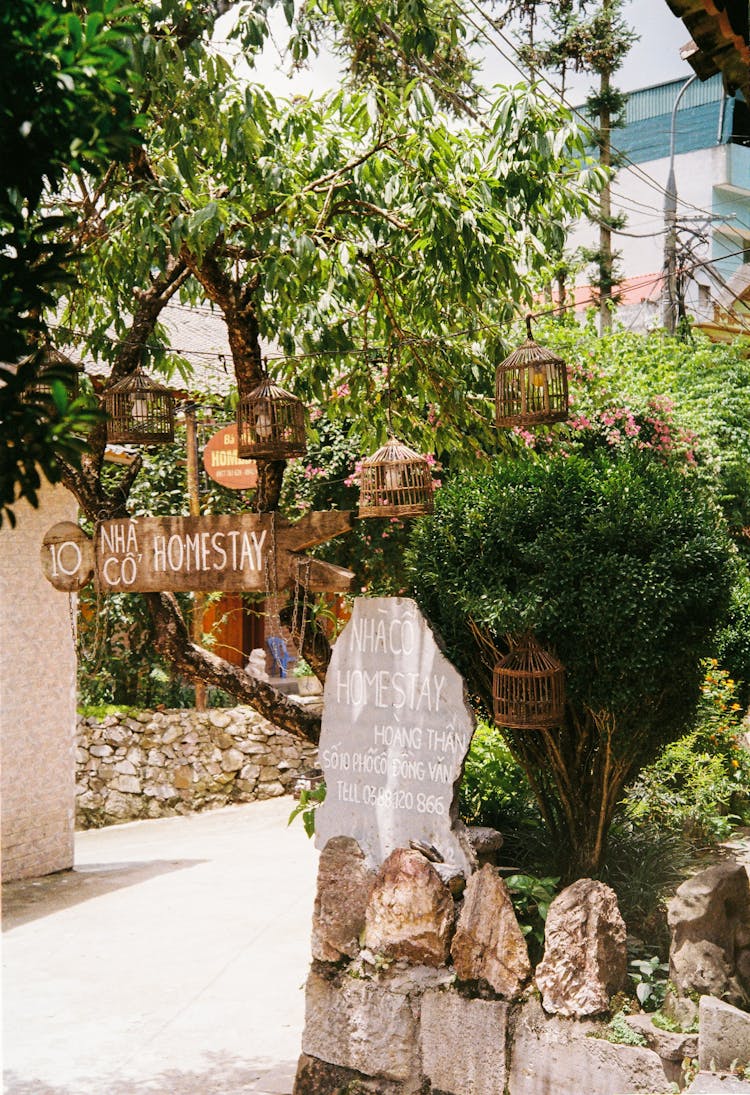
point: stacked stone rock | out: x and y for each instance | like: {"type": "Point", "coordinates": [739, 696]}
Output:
{"type": "Point", "coordinates": [415, 989]}
{"type": "Point", "coordinates": [161, 763]}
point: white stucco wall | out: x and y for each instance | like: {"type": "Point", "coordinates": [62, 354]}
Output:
{"type": "Point", "coordinates": [710, 183]}
{"type": "Point", "coordinates": [37, 699]}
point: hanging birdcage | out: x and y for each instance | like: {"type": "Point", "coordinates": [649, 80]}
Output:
{"type": "Point", "coordinates": [270, 424]}
{"type": "Point", "coordinates": [395, 482]}
{"type": "Point", "coordinates": [51, 365]}
{"type": "Point", "coordinates": [139, 411]}
{"type": "Point", "coordinates": [528, 687]}
{"type": "Point", "coordinates": [531, 386]}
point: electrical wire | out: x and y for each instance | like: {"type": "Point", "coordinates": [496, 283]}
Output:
{"type": "Point", "coordinates": [374, 350]}
{"type": "Point", "coordinates": [542, 77]}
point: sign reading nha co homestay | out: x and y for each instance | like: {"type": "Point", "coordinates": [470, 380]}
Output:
{"type": "Point", "coordinates": [219, 552]}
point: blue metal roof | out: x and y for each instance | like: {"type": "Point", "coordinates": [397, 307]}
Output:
{"type": "Point", "coordinates": [648, 114]}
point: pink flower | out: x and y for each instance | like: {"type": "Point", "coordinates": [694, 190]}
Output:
{"type": "Point", "coordinates": [341, 391]}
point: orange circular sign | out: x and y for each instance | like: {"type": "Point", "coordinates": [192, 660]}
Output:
{"type": "Point", "coordinates": [222, 463]}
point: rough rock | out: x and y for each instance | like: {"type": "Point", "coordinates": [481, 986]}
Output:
{"type": "Point", "coordinates": [344, 887]}
{"type": "Point", "coordinates": [723, 1036]}
{"type": "Point", "coordinates": [711, 1083]}
{"type": "Point", "coordinates": [670, 1045]}
{"type": "Point", "coordinates": [488, 944]}
{"type": "Point", "coordinates": [463, 1043]}
{"type": "Point", "coordinates": [486, 843]}
{"type": "Point", "coordinates": [316, 1077]}
{"type": "Point", "coordinates": [709, 918]}
{"type": "Point", "coordinates": [585, 960]}
{"type": "Point", "coordinates": [393, 777]}
{"type": "Point", "coordinates": [410, 912]}
{"type": "Point", "coordinates": [359, 1025]}
{"type": "Point", "coordinates": [232, 760]}
{"type": "Point", "coordinates": [553, 1056]}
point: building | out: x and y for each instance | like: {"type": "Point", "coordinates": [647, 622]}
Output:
{"type": "Point", "coordinates": [702, 134]}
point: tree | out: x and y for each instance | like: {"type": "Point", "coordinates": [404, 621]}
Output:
{"type": "Point", "coordinates": [597, 42]}
{"type": "Point", "coordinates": [63, 106]}
{"type": "Point", "coordinates": [379, 242]}
{"type": "Point", "coordinates": [620, 564]}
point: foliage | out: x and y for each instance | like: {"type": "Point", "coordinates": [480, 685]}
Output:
{"type": "Point", "coordinates": [63, 107]}
{"type": "Point", "coordinates": [39, 431]}
{"type": "Point", "coordinates": [117, 663]}
{"type": "Point", "coordinates": [700, 785]}
{"type": "Point", "coordinates": [531, 898]}
{"type": "Point", "coordinates": [649, 975]}
{"type": "Point", "coordinates": [494, 790]}
{"type": "Point", "coordinates": [644, 865]}
{"type": "Point", "coordinates": [624, 567]}
{"type": "Point", "coordinates": [618, 1031]}
{"type": "Point", "coordinates": [376, 236]}
{"type": "Point", "coordinates": [309, 800]}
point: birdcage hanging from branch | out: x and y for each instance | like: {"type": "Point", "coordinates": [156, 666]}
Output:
{"type": "Point", "coordinates": [528, 687]}
{"type": "Point", "coordinates": [531, 386]}
{"type": "Point", "coordinates": [270, 424]}
{"type": "Point", "coordinates": [51, 365]}
{"type": "Point", "coordinates": [395, 482]}
{"type": "Point", "coordinates": [139, 411]}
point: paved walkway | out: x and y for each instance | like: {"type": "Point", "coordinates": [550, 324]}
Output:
{"type": "Point", "coordinates": [171, 961]}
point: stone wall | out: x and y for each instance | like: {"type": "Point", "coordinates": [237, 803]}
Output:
{"type": "Point", "coordinates": [37, 697]}
{"type": "Point", "coordinates": [161, 763]}
{"type": "Point", "coordinates": [418, 987]}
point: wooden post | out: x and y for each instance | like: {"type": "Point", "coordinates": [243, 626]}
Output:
{"type": "Point", "coordinates": [194, 504]}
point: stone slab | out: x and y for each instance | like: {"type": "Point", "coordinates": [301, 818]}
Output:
{"type": "Point", "coordinates": [561, 1057]}
{"type": "Point", "coordinates": [396, 729]}
{"type": "Point", "coordinates": [357, 1024]}
{"type": "Point", "coordinates": [463, 1043]}
{"type": "Point", "coordinates": [316, 1077]}
{"type": "Point", "coordinates": [723, 1035]}
{"type": "Point", "coordinates": [711, 1083]}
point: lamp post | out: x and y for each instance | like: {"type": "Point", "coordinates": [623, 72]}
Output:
{"type": "Point", "coordinates": [669, 297]}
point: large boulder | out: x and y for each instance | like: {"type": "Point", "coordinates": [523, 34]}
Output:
{"type": "Point", "coordinates": [359, 1025]}
{"type": "Point", "coordinates": [709, 918]}
{"type": "Point", "coordinates": [585, 961]}
{"type": "Point", "coordinates": [344, 887]}
{"type": "Point", "coordinates": [410, 913]}
{"type": "Point", "coordinates": [488, 944]}
{"type": "Point", "coordinates": [723, 1036]}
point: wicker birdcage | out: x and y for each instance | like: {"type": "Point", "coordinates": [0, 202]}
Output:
{"type": "Point", "coordinates": [395, 482]}
{"type": "Point", "coordinates": [528, 687]}
{"type": "Point", "coordinates": [50, 365]}
{"type": "Point", "coordinates": [270, 424]}
{"type": "Point", "coordinates": [140, 411]}
{"type": "Point", "coordinates": [531, 386]}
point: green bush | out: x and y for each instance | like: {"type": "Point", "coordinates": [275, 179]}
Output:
{"type": "Point", "coordinates": [700, 785]}
{"type": "Point", "coordinates": [622, 565]}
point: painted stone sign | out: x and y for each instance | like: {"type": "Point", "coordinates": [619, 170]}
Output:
{"type": "Point", "coordinates": [222, 463]}
{"type": "Point", "coordinates": [396, 730]}
{"type": "Point", "coordinates": [223, 552]}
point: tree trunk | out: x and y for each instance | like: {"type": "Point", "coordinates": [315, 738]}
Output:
{"type": "Point", "coordinates": [605, 210]}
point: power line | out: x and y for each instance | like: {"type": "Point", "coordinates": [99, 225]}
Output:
{"type": "Point", "coordinates": [645, 177]}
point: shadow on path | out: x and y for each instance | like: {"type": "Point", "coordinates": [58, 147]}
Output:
{"type": "Point", "coordinates": [221, 1075]}
{"type": "Point", "coordinates": [33, 898]}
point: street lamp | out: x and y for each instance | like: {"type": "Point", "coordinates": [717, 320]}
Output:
{"type": "Point", "coordinates": [669, 297]}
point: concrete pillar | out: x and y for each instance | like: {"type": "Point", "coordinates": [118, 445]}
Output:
{"type": "Point", "coordinates": [37, 698]}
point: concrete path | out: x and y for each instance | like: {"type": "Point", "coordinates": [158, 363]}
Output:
{"type": "Point", "coordinates": [171, 961]}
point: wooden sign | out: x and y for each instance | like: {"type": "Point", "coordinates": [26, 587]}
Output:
{"type": "Point", "coordinates": [67, 557]}
{"type": "Point", "coordinates": [221, 552]}
{"type": "Point", "coordinates": [222, 463]}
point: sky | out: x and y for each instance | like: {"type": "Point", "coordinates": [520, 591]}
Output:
{"type": "Point", "coordinates": [654, 59]}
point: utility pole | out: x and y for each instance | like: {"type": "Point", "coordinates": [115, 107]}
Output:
{"type": "Point", "coordinates": [194, 505]}
{"type": "Point", "coordinates": [669, 295]}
